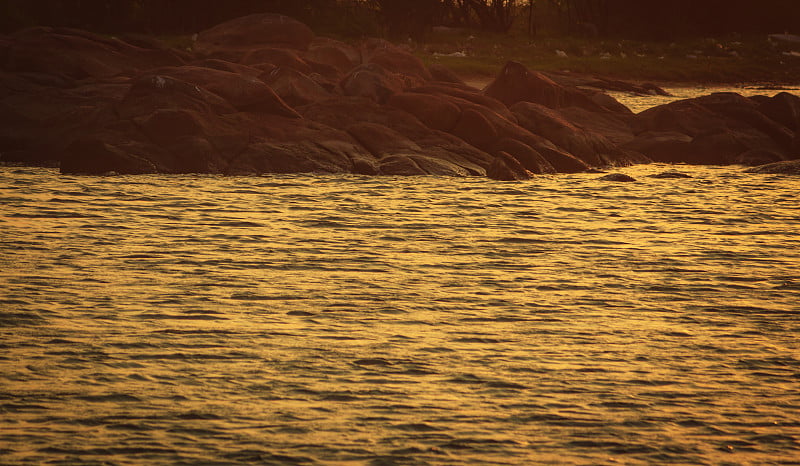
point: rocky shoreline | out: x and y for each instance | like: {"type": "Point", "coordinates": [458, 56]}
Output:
{"type": "Point", "coordinates": [263, 94]}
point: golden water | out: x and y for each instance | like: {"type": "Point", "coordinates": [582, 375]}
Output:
{"type": "Point", "coordinates": [299, 319]}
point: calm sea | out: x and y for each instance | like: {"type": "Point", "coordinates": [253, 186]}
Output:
{"type": "Point", "coordinates": [347, 320]}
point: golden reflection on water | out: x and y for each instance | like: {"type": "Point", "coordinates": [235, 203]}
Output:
{"type": "Point", "coordinates": [349, 320]}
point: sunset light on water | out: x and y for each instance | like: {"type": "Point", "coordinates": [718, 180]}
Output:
{"type": "Point", "coordinates": [302, 319]}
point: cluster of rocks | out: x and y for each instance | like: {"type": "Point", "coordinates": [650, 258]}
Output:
{"type": "Point", "coordinates": [263, 94]}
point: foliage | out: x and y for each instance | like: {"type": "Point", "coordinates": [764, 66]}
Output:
{"type": "Point", "coordinates": [632, 19]}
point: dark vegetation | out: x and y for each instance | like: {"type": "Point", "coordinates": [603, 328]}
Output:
{"type": "Point", "coordinates": [632, 19]}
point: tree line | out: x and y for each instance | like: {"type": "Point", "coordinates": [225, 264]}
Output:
{"type": "Point", "coordinates": [640, 19]}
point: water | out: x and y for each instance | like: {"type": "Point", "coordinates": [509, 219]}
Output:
{"type": "Point", "coordinates": [346, 320]}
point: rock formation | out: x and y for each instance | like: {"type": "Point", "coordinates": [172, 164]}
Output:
{"type": "Point", "coordinates": [263, 94]}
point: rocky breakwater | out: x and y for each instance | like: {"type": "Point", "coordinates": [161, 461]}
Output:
{"type": "Point", "coordinates": [263, 94]}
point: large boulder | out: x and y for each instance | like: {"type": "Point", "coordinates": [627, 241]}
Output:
{"type": "Point", "coordinates": [787, 167]}
{"type": "Point", "coordinates": [294, 87]}
{"type": "Point", "coordinates": [783, 108]}
{"type": "Point", "coordinates": [592, 148]}
{"type": "Point", "coordinates": [243, 92]}
{"type": "Point", "coordinates": [516, 83]}
{"type": "Point", "coordinates": [252, 32]}
{"type": "Point", "coordinates": [395, 59]}
{"type": "Point", "coordinates": [713, 129]}
{"type": "Point", "coordinates": [439, 153]}
{"type": "Point", "coordinates": [506, 168]}
{"type": "Point", "coordinates": [373, 82]}
{"type": "Point", "coordinates": [437, 112]}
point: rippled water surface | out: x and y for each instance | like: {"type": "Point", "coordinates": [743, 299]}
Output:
{"type": "Point", "coordinates": [298, 319]}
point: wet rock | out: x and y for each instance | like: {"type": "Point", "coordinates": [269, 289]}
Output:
{"type": "Point", "coordinates": [617, 177]}
{"type": "Point", "coordinates": [787, 167]}
{"type": "Point", "coordinates": [94, 156]}
{"type": "Point", "coordinates": [592, 148]}
{"type": "Point", "coordinates": [506, 168]}
{"type": "Point", "coordinates": [783, 108]}
{"type": "Point", "coordinates": [713, 129]}
{"type": "Point", "coordinates": [669, 175]}
{"type": "Point", "coordinates": [529, 157]}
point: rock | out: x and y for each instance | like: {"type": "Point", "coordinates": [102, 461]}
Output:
{"type": "Point", "coordinates": [78, 54]}
{"type": "Point", "coordinates": [783, 108]}
{"type": "Point", "coordinates": [662, 146]}
{"type": "Point", "coordinates": [465, 94]}
{"type": "Point", "coordinates": [252, 32]}
{"type": "Point", "coordinates": [786, 167]}
{"type": "Point", "coordinates": [614, 127]}
{"type": "Point", "coordinates": [444, 74]}
{"type": "Point", "coordinates": [592, 148]}
{"type": "Point", "coordinates": [506, 168]}
{"type": "Point", "coordinates": [530, 159]}
{"type": "Point", "coordinates": [669, 175]}
{"type": "Point", "coordinates": [335, 54]}
{"type": "Point", "coordinates": [373, 82]}
{"type": "Point", "coordinates": [92, 156]}
{"type": "Point", "coordinates": [720, 127]}
{"type": "Point", "coordinates": [396, 60]}
{"type": "Point", "coordinates": [617, 177]}
{"type": "Point", "coordinates": [476, 129]}
{"type": "Point", "coordinates": [516, 83]}
{"type": "Point", "coordinates": [755, 157]}
{"type": "Point", "coordinates": [437, 112]}
{"type": "Point", "coordinates": [439, 153]}
{"type": "Point", "coordinates": [262, 57]}
{"type": "Point", "coordinates": [294, 87]}
{"type": "Point", "coordinates": [243, 92]}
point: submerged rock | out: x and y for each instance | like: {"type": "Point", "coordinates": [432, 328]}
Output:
{"type": "Point", "coordinates": [669, 174]}
{"type": "Point", "coordinates": [789, 167]}
{"type": "Point", "coordinates": [506, 168]}
{"type": "Point", "coordinates": [617, 177]}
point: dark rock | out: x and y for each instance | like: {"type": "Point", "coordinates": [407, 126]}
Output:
{"type": "Point", "coordinates": [396, 60]}
{"type": "Point", "coordinates": [95, 157]}
{"type": "Point", "coordinates": [253, 31]}
{"type": "Point", "coordinates": [783, 108]}
{"type": "Point", "coordinates": [437, 112]}
{"type": "Point", "coordinates": [719, 127]}
{"type": "Point", "coordinates": [79, 54]}
{"type": "Point", "coordinates": [371, 81]}
{"type": "Point", "coordinates": [669, 175]}
{"type": "Point", "coordinates": [243, 92]}
{"type": "Point", "coordinates": [506, 168]}
{"type": "Point", "coordinates": [444, 74]}
{"type": "Point", "coordinates": [294, 87]}
{"type": "Point", "coordinates": [617, 177]}
{"type": "Point", "coordinates": [786, 167]}
{"type": "Point", "coordinates": [468, 94]}
{"type": "Point", "coordinates": [516, 83]}
{"type": "Point", "coordinates": [529, 157]}
{"type": "Point", "coordinates": [592, 148]}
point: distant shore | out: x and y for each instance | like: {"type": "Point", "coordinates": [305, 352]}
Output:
{"type": "Point", "coordinates": [728, 61]}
